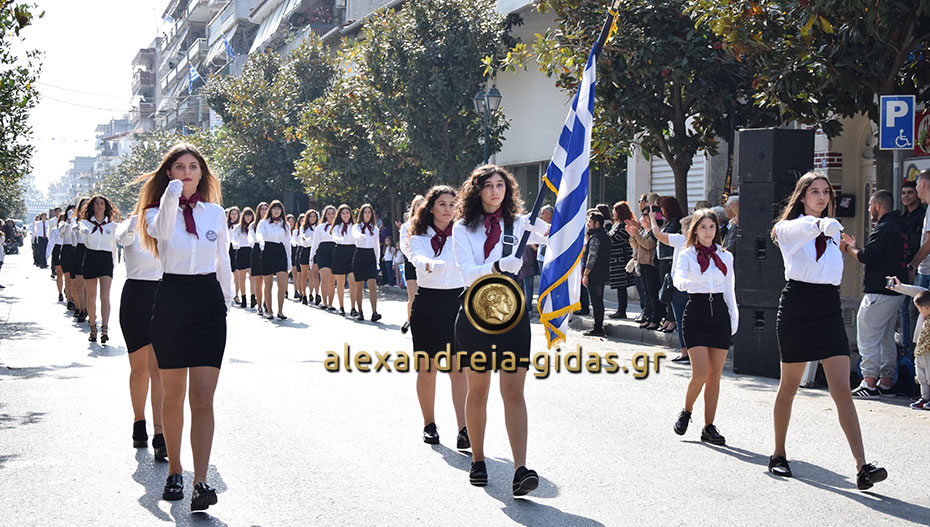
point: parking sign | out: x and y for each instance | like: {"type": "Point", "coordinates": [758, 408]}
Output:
{"type": "Point", "coordinates": [896, 122]}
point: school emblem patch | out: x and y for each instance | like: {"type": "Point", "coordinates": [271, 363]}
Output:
{"type": "Point", "coordinates": [211, 235]}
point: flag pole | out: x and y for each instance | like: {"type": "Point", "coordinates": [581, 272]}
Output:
{"type": "Point", "coordinates": [606, 31]}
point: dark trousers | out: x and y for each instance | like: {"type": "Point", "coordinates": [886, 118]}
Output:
{"type": "Point", "coordinates": [650, 278]}
{"type": "Point", "coordinates": [638, 282]}
{"type": "Point", "coordinates": [528, 283]}
{"type": "Point", "coordinates": [387, 270]}
{"type": "Point", "coordinates": [622, 300]}
{"type": "Point", "coordinates": [585, 299]}
{"type": "Point", "coordinates": [596, 292]}
{"type": "Point", "coordinates": [665, 267]}
{"type": "Point", "coordinates": [41, 246]}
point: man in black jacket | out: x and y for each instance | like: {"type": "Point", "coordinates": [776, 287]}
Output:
{"type": "Point", "coordinates": [883, 255]}
{"type": "Point", "coordinates": [596, 267]}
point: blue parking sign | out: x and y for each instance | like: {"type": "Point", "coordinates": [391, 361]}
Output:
{"type": "Point", "coordinates": [896, 122]}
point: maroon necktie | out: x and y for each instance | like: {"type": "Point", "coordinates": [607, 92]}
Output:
{"type": "Point", "coordinates": [345, 227]}
{"type": "Point", "coordinates": [188, 205]}
{"type": "Point", "coordinates": [97, 226]}
{"type": "Point", "coordinates": [492, 229]}
{"type": "Point", "coordinates": [820, 244]}
{"type": "Point", "coordinates": [438, 241]}
{"type": "Point", "coordinates": [704, 256]}
{"type": "Point", "coordinates": [371, 229]}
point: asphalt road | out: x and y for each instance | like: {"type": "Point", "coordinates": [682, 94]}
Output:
{"type": "Point", "coordinates": [298, 445]}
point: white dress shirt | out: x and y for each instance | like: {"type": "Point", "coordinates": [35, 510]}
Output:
{"type": "Point", "coordinates": [924, 266]}
{"type": "Point", "coordinates": [268, 232]}
{"type": "Point", "coordinates": [687, 277]}
{"type": "Point", "coordinates": [469, 246]}
{"type": "Point", "coordinates": [402, 244]}
{"type": "Point", "coordinates": [54, 240]}
{"type": "Point", "coordinates": [320, 235]}
{"type": "Point", "coordinates": [677, 242]}
{"type": "Point", "coordinates": [65, 230]}
{"type": "Point", "coordinates": [443, 274]}
{"type": "Point", "coordinates": [343, 239]}
{"type": "Point", "coordinates": [367, 240]}
{"type": "Point", "coordinates": [796, 239]}
{"type": "Point", "coordinates": [181, 252]}
{"type": "Point", "coordinates": [305, 236]}
{"type": "Point", "coordinates": [141, 264]}
{"type": "Point", "coordinates": [240, 239]}
{"type": "Point", "coordinates": [104, 239]}
{"type": "Point", "coordinates": [77, 237]}
{"type": "Point", "coordinates": [389, 254]}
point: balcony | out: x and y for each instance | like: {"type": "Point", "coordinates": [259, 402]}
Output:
{"type": "Point", "coordinates": [198, 50]}
{"type": "Point", "coordinates": [145, 110]}
{"type": "Point", "coordinates": [143, 81]}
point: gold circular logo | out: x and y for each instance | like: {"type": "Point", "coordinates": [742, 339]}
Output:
{"type": "Point", "coordinates": [494, 304]}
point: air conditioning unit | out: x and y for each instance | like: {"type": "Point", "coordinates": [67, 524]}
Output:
{"type": "Point", "coordinates": [340, 4]}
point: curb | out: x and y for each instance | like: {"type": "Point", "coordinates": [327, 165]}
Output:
{"type": "Point", "coordinates": [628, 331]}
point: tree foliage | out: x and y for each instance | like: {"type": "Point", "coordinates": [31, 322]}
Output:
{"type": "Point", "coordinates": [665, 83]}
{"type": "Point", "coordinates": [17, 97]}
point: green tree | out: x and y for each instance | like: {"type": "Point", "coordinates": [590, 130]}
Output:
{"type": "Point", "coordinates": [17, 97]}
{"type": "Point", "coordinates": [147, 153]}
{"type": "Point", "coordinates": [818, 60]}
{"type": "Point", "coordinates": [665, 83]}
{"type": "Point", "coordinates": [257, 146]}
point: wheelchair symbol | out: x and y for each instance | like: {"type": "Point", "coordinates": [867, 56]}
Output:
{"type": "Point", "coordinates": [901, 141]}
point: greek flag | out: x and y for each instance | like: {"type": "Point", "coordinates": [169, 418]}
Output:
{"type": "Point", "coordinates": [193, 77]}
{"type": "Point", "coordinates": [567, 176]}
{"type": "Point", "coordinates": [229, 49]}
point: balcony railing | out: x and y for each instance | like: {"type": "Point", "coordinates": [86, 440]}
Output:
{"type": "Point", "coordinates": [198, 49]}
{"type": "Point", "coordinates": [142, 80]}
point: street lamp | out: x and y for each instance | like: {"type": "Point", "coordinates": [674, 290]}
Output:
{"type": "Point", "coordinates": [485, 103]}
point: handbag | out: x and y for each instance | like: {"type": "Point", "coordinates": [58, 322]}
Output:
{"type": "Point", "coordinates": [667, 289]}
{"type": "Point", "coordinates": [630, 266]}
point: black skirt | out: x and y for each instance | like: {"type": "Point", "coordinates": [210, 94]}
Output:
{"type": "Point", "coordinates": [56, 256]}
{"type": "Point", "coordinates": [706, 321]}
{"type": "Point", "coordinates": [255, 260]}
{"type": "Point", "coordinates": [342, 259]}
{"type": "Point", "coordinates": [67, 255]}
{"type": "Point", "coordinates": [432, 319]}
{"type": "Point", "coordinates": [410, 271]}
{"type": "Point", "coordinates": [303, 256]}
{"type": "Point", "coordinates": [294, 249]}
{"type": "Point", "coordinates": [233, 264]}
{"type": "Point", "coordinates": [810, 323]}
{"type": "Point", "coordinates": [135, 312]}
{"type": "Point", "coordinates": [244, 259]}
{"type": "Point", "coordinates": [324, 255]}
{"type": "Point", "coordinates": [513, 346]}
{"type": "Point", "coordinates": [274, 259]}
{"type": "Point", "coordinates": [364, 264]}
{"type": "Point", "coordinates": [97, 264]}
{"type": "Point", "coordinates": [189, 321]}
{"type": "Point", "coordinates": [77, 260]}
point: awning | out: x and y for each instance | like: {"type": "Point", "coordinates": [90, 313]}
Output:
{"type": "Point", "coordinates": [269, 26]}
{"type": "Point", "coordinates": [218, 49]}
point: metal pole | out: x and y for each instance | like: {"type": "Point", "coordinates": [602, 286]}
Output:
{"type": "Point", "coordinates": [487, 132]}
{"type": "Point", "coordinates": [897, 176]}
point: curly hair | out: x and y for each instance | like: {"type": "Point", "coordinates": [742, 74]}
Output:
{"type": "Point", "coordinates": [468, 207]}
{"type": "Point", "coordinates": [424, 216]}
{"type": "Point", "coordinates": [110, 210]}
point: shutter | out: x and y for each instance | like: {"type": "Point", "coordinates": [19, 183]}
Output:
{"type": "Point", "coordinates": [663, 179]}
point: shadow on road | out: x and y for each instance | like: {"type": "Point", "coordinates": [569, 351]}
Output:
{"type": "Point", "coordinates": [22, 330]}
{"type": "Point", "coordinates": [104, 350]}
{"type": "Point", "coordinates": [521, 510]}
{"type": "Point", "coordinates": [32, 372]}
{"type": "Point", "coordinates": [152, 475]}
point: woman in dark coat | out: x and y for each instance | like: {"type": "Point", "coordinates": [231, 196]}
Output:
{"type": "Point", "coordinates": [620, 254]}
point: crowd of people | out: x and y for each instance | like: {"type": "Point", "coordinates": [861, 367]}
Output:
{"type": "Point", "coordinates": [188, 261]}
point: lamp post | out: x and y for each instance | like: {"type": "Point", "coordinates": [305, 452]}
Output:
{"type": "Point", "coordinates": [485, 103]}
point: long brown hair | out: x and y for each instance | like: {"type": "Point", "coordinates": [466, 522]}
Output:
{"type": "Point", "coordinates": [322, 218]}
{"type": "Point", "coordinates": [468, 207]}
{"type": "Point", "coordinates": [157, 181]}
{"type": "Point", "coordinates": [110, 211]}
{"type": "Point", "coordinates": [360, 218]}
{"type": "Point", "coordinates": [258, 214]}
{"type": "Point", "coordinates": [282, 217]}
{"type": "Point", "coordinates": [696, 218]}
{"type": "Point", "coordinates": [622, 212]}
{"type": "Point", "coordinates": [229, 221]}
{"type": "Point", "coordinates": [338, 219]}
{"type": "Point", "coordinates": [424, 217]}
{"type": "Point", "coordinates": [243, 225]}
{"type": "Point", "coordinates": [795, 208]}
{"type": "Point", "coordinates": [306, 216]}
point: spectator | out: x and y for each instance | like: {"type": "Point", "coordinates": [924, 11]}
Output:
{"type": "Point", "coordinates": [883, 255]}
{"type": "Point", "coordinates": [671, 211]}
{"type": "Point", "coordinates": [732, 211]}
{"type": "Point", "coordinates": [596, 268]}
{"type": "Point", "coordinates": [703, 204]}
{"type": "Point", "coordinates": [922, 350]}
{"type": "Point", "coordinates": [387, 260]}
{"type": "Point", "coordinates": [644, 249]}
{"type": "Point", "coordinates": [912, 214]}
{"type": "Point", "coordinates": [722, 220]}
{"type": "Point", "coordinates": [398, 261]}
{"type": "Point", "coordinates": [620, 254]}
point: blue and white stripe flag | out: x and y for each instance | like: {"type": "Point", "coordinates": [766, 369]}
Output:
{"type": "Point", "coordinates": [230, 52]}
{"type": "Point", "coordinates": [192, 77]}
{"type": "Point", "coordinates": [567, 176]}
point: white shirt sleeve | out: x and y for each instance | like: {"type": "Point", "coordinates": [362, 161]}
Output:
{"type": "Point", "coordinates": [729, 293]}
{"type": "Point", "coordinates": [223, 268]}
{"type": "Point", "coordinates": [421, 251]}
{"type": "Point", "coordinates": [794, 234]}
{"type": "Point", "coordinates": [260, 234]}
{"type": "Point", "coordinates": [162, 220]}
{"type": "Point", "coordinates": [465, 256]}
{"type": "Point", "coordinates": [126, 232]}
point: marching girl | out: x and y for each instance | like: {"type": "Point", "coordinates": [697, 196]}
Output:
{"type": "Point", "coordinates": [232, 220]}
{"type": "Point", "coordinates": [98, 227]}
{"type": "Point", "coordinates": [410, 270]}
{"type": "Point", "coordinates": [255, 259]}
{"type": "Point", "coordinates": [186, 229]}
{"type": "Point", "coordinates": [809, 324]}
{"type": "Point", "coordinates": [298, 270]}
{"type": "Point", "coordinates": [291, 229]}
{"type": "Point", "coordinates": [365, 260]}
{"type": "Point", "coordinates": [489, 206]}
{"type": "Point", "coordinates": [341, 231]}
{"type": "Point", "coordinates": [432, 319]}
{"type": "Point", "coordinates": [274, 239]}
{"type": "Point", "coordinates": [241, 241]}
{"type": "Point", "coordinates": [321, 254]}
{"type": "Point", "coordinates": [704, 270]}
{"type": "Point", "coordinates": [67, 253]}
{"type": "Point", "coordinates": [143, 272]}
{"type": "Point", "coordinates": [309, 272]}
{"type": "Point", "coordinates": [77, 263]}
{"type": "Point", "coordinates": [54, 252]}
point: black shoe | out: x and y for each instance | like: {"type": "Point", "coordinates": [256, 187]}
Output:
{"type": "Point", "coordinates": [244, 302]}
{"type": "Point", "coordinates": [886, 391]}
{"type": "Point", "coordinates": [430, 434]}
{"type": "Point", "coordinates": [354, 313]}
{"type": "Point", "coordinates": [82, 316]}
{"type": "Point", "coordinates": [269, 315]}
{"type": "Point", "coordinates": [203, 496]}
{"type": "Point", "coordinates": [261, 312]}
{"type": "Point", "coordinates": [524, 481]}
{"type": "Point", "coordinates": [462, 442]}
{"type": "Point", "coordinates": [682, 358]}
{"type": "Point", "coordinates": [617, 315]}
{"type": "Point", "coordinates": [478, 475]}
{"type": "Point", "coordinates": [61, 297]}
{"type": "Point", "coordinates": [779, 466]}
{"type": "Point", "coordinates": [285, 294]}
{"type": "Point", "coordinates": [70, 305]}
{"type": "Point", "coordinates": [317, 300]}
{"type": "Point", "coordinates": [361, 316]}
{"type": "Point", "coordinates": [304, 301]}
{"type": "Point", "coordinates": [681, 425]}
{"type": "Point", "coordinates": [375, 316]}
{"type": "Point", "coordinates": [596, 332]}
{"type": "Point", "coordinates": [254, 301]}
{"type": "Point", "coordinates": [405, 327]}
{"type": "Point", "coordinates": [583, 312]}
{"type": "Point", "coordinates": [174, 488]}
{"type": "Point", "coordinates": [158, 444]}
{"type": "Point", "coordinates": [140, 438]}
{"type": "Point", "coordinates": [710, 435]}
{"type": "Point", "coordinates": [331, 309]}
{"type": "Point", "coordinates": [342, 312]}
{"type": "Point", "coordinates": [869, 475]}
{"type": "Point", "coordinates": [282, 317]}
